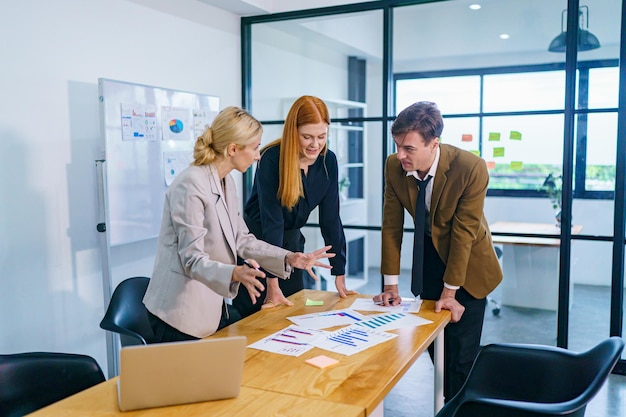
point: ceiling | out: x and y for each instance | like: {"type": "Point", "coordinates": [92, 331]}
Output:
{"type": "Point", "coordinates": [257, 7]}
{"type": "Point", "coordinates": [444, 30]}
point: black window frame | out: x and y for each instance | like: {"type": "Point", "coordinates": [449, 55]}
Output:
{"type": "Point", "coordinates": [583, 67]}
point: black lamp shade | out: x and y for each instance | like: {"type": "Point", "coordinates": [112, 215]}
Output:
{"type": "Point", "coordinates": [586, 41]}
{"type": "Point", "coordinates": [558, 44]}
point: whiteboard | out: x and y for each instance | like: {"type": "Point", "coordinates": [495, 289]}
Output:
{"type": "Point", "coordinates": [148, 134]}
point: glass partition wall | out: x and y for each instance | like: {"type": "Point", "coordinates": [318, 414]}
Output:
{"type": "Point", "coordinates": [547, 124]}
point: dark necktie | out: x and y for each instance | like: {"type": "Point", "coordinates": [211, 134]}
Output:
{"type": "Point", "coordinates": [417, 275]}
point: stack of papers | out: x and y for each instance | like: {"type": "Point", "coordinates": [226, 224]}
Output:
{"type": "Point", "coordinates": [359, 331]}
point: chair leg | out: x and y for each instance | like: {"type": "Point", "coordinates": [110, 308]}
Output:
{"type": "Point", "coordinates": [496, 307]}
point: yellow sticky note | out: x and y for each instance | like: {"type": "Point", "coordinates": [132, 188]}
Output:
{"type": "Point", "coordinates": [322, 361]}
{"type": "Point", "coordinates": [498, 152]}
{"type": "Point", "coordinates": [515, 135]}
{"type": "Point", "coordinates": [516, 165]}
{"type": "Point", "coordinates": [475, 152]}
{"type": "Point", "coordinates": [494, 136]}
{"type": "Point", "coordinates": [313, 303]}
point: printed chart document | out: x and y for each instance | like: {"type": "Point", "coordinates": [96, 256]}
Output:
{"type": "Point", "coordinates": [391, 321]}
{"type": "Point", "coordinates": [325, 319]}
{"type": "Point", "coordinates": [352, 339]}
{"type": "Point", "coordinates": [408, 305]}
{"type": "Point", "coordinates": [291, 341]}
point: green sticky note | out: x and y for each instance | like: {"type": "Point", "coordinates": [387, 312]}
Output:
{"type": "Point", "coordinates": [515, 135]}
{"type": "Point", "coordinates": [475, 152]}
{"type": "Point", "coordinates": [498, 152]}
{"type": "Point", "coordinates": [516, 165]}
{"type": "Point", "coordinates": [314, 303]}
{"type": "Point", "coordinates": [494, 136]}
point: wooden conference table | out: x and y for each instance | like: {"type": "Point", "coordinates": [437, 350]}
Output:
{"type": "Point", "coordinates": [277, 385]}
{"type": "Point", "coordinates": [101, 401]}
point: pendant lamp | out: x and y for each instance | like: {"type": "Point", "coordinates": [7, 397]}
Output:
{"type": "Point", "coordinates": [586, 40]}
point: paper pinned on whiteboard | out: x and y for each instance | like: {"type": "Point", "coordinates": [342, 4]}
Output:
{"type": "Point", "coordinates": [174, 163]}
{"type": "Point", "coordinates": [138, 121]}
{"type": "Point", "coordinates": [176, 124]}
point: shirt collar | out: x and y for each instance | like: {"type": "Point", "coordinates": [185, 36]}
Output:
{"type": "Point", "coordinates": [433, 167]}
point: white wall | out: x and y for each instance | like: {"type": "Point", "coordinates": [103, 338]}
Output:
{"type": "Point", "coordinates": [53, 53]}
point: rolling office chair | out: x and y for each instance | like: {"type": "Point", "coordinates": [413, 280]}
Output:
{"type": "Point", "coordinates": [127, 314]}
{"type": "Point", "coordinates": [495, 309]}
{"type": "Point", "coordinates": [30, 381]}
{"type": "Point", "coordinates": [514, 380]}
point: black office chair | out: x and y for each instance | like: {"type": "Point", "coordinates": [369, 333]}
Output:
{"type": "Point", "coordinates": [512, 380]}
{"type": "Point", "coordinates": [30, 381]}
{"type": "Point", "coordinates": [127, 314]}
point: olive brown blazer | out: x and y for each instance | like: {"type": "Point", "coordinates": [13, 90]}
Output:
{"type": "Point", "coordinates": [460, 232]}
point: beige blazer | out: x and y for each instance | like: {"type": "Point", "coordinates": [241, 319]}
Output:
{"type": "Point", "coordinates": [201, 235]}
{"type": "Point", "coordinates": [459, 229]}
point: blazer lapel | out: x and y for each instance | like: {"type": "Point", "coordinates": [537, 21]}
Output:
{"type": "Point", "coordinates": [441, 177]}
{"type": "Point", "coordinates": [221, 209]}
{"type": "Point", "coordinates": [411, 190]}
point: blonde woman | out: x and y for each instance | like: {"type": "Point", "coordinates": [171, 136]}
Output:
{"type": "Point", "coordinates": [203, 235]}
{"type": "Point", "coordinates": [296, 174]}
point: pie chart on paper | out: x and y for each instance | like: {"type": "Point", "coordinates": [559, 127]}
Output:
{"type": "Point", "coordinates": [176, 126]}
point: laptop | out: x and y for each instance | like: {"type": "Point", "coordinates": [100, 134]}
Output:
{"type": "Point", "coordinates": [163, 374]}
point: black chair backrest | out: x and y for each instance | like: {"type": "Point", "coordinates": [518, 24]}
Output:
{"type": "Point", "coordinates": [126, 313]}
{"type": "Point", "coordinates": [30, 381]}
{"type": "Point", "coordinates": [550, 374]}
{"type": "Point", "coordinates": [522, 380]}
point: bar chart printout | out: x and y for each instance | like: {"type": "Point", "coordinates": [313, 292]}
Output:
{"type": "Point", "coordinates": [291, 341]}
{"type": "Point", "coordinates": [326, 319]}
{"type": "Point", "coordinates": [352, 339]}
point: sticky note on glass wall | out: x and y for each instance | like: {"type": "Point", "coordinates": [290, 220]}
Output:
{"type": "Point", "coordinates": [498, 152]}
{"type": "Point", "coordinates": [475, 152]}
{"type": "Point", "coordinates": [491, 164]}
{"type": "Point", "coordinates": [466, 137]}
{"type": "Point", "coordinates": [515, 135]}
{"type": "Point", "coordinates": [516, 165]}
{"type": "Point", "coordinates": [494, 136]}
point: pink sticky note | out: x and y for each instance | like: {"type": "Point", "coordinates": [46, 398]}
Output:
{"type": "Point", "coordinates": [322, 361]}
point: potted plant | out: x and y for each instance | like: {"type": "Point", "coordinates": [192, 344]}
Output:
{"type": "Point", "coordinates": [553, 186]}
{"type": "Point", "coordinates": [344, 184]}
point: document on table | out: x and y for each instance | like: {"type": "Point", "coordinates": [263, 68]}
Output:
{"type": "Point", "coordinates": [325, 319]}
{"type": "Point", "coordinates": [391, 321]}
{"type": "Point", "coordinates": [352, 339]}
{"type": "Point", "coordinates": [291, 341]}
{"type": "Point", "coordinates": [407, 305]}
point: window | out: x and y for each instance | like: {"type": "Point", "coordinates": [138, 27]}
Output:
{"type": "Point", "coordinates": [514, 116]}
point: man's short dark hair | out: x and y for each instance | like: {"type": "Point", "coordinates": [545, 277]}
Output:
{"type": "Point", "coordinates": [423, 117]}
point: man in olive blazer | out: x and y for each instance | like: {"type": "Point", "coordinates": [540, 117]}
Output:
{"type": "Point", "coordinates": [460, 264]}
{"type": "Point", "coordinates": [459, 229]}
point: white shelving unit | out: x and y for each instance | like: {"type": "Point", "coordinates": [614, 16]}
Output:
{"type": "Point", "coordinates": [353, 204]}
